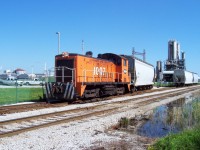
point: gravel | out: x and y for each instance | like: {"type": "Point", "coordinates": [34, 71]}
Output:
{"type": "Point", "coordinates": [90, 133]}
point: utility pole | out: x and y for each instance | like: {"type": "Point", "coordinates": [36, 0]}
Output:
{"type": "Point", "coordinates": [58, 42]}
{"type": "Point", "coordinates": [139, 53]}
{"type": "Point", "coordinates": [82, 45]}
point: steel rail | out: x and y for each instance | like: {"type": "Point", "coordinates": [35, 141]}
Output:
{"type": "Point", "coordinates": [65, 120]}
{"type": "Point", "coordinates": [42, 116]}
{"type": "Point", "coordinates": [148, 100]}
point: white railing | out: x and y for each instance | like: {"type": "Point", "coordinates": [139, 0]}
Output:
{"type": "Point", "coordinates": [100, 77]}
{"type": "Point", "coordinates": [87, 75]}
{"type": "Point", "coordinates": [63, 75]}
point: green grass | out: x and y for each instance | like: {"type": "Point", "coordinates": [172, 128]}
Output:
{"type": "Point", "coordinates": [163, 84]}
{"type": "Point", "coordinates": [20, 94]}
{"type": "Point", "coordinates": [186, 140]}
{"type": "Point", "coordinates": [48, 79]}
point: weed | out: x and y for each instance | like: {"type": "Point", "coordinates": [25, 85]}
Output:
{"type": "Point", "coordinates": [124, 122]}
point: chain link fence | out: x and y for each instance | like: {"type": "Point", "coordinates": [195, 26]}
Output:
{"type": "Point", "coordinates": [12, 92]}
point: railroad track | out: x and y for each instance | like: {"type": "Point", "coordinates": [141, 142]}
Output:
{"type": "Point", "coordinates": [49, 122]}
{"type": "Point", "coordinates": [41, 105]}
{"type": "Point", "coordinates": [28, 107]}
{"type": "Point", "coordinates": [20, 125]}
{"type": "Point", "coordinates": [146, 100]}
{"type": "Point", "coordinates": [155, 97]}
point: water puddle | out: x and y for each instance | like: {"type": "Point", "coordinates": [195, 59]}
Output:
{"type": "Point", "coordinates": [172, 118]}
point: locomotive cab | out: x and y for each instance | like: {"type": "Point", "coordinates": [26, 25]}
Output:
{"type": "Point", "coordinates": [121, 66]}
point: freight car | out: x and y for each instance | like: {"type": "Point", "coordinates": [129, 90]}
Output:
{"type": "Point", "coordinates": [142, 74]}
{"type": "Point", "coordinates": [83, 76]}
{"type": "Point", "coordinates": [183, 77]}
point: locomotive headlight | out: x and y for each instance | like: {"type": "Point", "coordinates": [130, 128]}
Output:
{"type": "Point", "coordinates": [125, 71]}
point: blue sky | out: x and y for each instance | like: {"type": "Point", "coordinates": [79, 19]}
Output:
{"type": "Point", "coordinates": [28, 37]}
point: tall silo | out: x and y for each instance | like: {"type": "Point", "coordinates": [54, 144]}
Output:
{"type": "Point", "coordinates": [170, 49]}
{"type": "Point", "coordinates": [178, 51]}
{"type": "Point", "coordinates": [183, 55]}
{"type": "Point", "coordinates": [158, 70]}
{"type": "Point", "coordinates": [173, 50]}
{"type": "Point", "coordinates": [182, 61]}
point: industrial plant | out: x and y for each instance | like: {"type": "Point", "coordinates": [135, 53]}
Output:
{"type": "Point", "coordinates": [175, 67]}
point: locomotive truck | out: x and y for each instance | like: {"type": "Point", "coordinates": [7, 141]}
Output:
{"type": "Point", "coordinates": [83, 76]}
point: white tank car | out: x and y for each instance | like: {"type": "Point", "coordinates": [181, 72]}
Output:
{"type": "Point", "coordinates": [183, 77]}
{"type": "Point", "coordinates": [142, 74]}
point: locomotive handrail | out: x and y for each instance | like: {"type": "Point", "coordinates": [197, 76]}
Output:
{"type": "Point", "coordinates": [104, 74]}
{"type": "Point", "coordinates": [65, 67]}
{"type": "Point", "coordinates": [63, 75]}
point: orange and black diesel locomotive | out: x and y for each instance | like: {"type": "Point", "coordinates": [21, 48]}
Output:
{"type": "Point", "coordinates": [82, 76]}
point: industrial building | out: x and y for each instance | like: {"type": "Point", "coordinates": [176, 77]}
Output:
{"type": "Point", "coordinates": [175, 60]}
